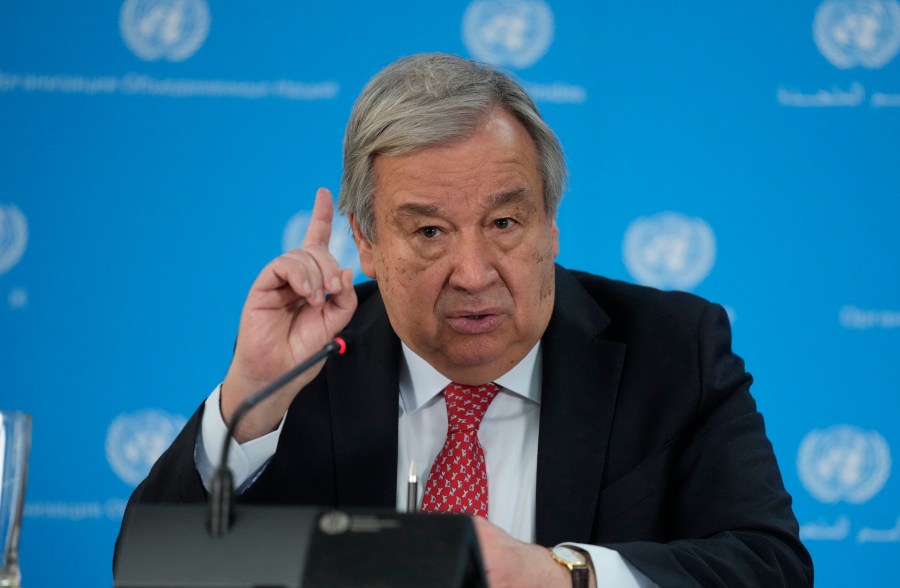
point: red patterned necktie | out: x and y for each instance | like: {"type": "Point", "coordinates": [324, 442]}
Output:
{"type": "Point", "coordinates": [458, 478]}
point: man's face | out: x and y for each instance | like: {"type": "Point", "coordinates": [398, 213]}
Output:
{"type": "Point", "coordinates": [464, 250]}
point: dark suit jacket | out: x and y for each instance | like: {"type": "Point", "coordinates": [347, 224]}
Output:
{"type": "Point", "coordinates": [649, 440]}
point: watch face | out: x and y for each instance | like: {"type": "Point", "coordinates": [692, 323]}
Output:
{"type": "Point", "coordinates": [569, 556]}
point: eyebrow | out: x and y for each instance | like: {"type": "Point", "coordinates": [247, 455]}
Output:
{"type": "Point", "coordinates": [414, 209]}
{"type": "Point", "coordinates": [516, 196]}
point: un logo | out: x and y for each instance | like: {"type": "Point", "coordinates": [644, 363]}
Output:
{"type": "Point", "coordinates": [508, 32]}
{"type": "Point", "coordinates": [843, 463]}
{"type": "Point", "coordinates": [164, 29]}
{"type": "Point", "coordinates": [13, 237]}
{"type": "Point", "coordinates": [669, 250]}
{"type": "Point", "coordinates": [135, 441]}
{"type": "Point", "coordinates": [858, 32]}
{"type": "Point", "coordinates": [341, 245]}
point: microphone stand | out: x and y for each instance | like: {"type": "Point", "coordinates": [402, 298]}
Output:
{"type": "Point", "coordinates": [221, 492]}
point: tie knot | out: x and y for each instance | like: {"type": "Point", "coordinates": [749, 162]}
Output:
{"type": "Point", "coordinates": [466, 405]}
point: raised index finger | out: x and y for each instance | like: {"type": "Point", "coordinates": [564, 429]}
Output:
{"type": "Point", "coordinates": [319, 231]}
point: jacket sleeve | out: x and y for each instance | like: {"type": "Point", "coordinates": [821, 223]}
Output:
{"type": "Point", "coordinates": [727, 516]}
{"type": "Point", "coordinates": [173, 478]}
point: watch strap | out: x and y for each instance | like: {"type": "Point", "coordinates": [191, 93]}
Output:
{"type": "Point", "coordinates": [580, 576]}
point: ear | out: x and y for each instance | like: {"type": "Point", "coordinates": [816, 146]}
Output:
{"type": "Point", "coordinates": [365, 248]}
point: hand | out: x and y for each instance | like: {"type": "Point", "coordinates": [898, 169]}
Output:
{"type": "Point", "coordinates": [510, 562]}
{"type": "Point", "coordinates": [287, 318]}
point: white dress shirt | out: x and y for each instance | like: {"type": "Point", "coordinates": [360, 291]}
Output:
{"type": "Point", "coordinates": [508, 435]}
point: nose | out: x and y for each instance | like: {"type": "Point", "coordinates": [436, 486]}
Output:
{"type": "Point", "coordinates": [473, 265]}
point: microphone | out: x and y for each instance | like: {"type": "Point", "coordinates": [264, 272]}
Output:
{"type": "Point", "coordinates": [221, 492]}
{"type": "Point", "coordinates": [221, 545]}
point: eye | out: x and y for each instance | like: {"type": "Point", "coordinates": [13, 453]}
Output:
{"type": "Point", "coordinates": [504, 223]}
{"type": "Point", "coordinates": [429, 232]}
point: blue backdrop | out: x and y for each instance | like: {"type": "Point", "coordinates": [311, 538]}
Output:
{"type": "Point", "coordinates": [155, 154]}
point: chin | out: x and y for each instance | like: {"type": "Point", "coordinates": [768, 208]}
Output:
{"type": "Point", "coordinates": [477, 355]}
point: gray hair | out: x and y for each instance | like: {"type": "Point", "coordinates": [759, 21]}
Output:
{"type": "Point", "coordinates": [432, 99]}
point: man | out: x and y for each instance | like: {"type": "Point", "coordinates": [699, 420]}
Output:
{"type": "Point", "coordinates": [618, 418]}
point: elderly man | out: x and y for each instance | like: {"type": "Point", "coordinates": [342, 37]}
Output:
{"type": "Point", "coordinates": [608, 417]}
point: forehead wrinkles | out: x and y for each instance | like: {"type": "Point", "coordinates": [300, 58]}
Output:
{"type": "Point", "coordinates": [469, 160]}
{"type": "Point", "coordinates": [448, 177]}
{"type": "Point", "coordinates": [493, 168]}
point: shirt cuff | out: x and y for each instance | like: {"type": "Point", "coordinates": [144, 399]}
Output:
{"type": "Point", "coordinates": [245, 460]}
{"type": "Point", "coordinates": [611, 569]}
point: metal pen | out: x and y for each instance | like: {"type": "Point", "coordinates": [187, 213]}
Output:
{"type": "Point", "coordinates": [412, 489]}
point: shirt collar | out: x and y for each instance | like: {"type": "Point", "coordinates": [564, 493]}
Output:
{"type": "Point", "coordinates": [420, 383]}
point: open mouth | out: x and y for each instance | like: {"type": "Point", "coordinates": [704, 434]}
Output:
{"type": "Point", "coordinates": [475, 324]}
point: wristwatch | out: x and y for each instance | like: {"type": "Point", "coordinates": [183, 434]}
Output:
{"type": "Point", "coordinates": [576, 561]}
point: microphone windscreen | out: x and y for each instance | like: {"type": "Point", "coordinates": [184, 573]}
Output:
{"type": "Point", "coordinates": [343, 339]}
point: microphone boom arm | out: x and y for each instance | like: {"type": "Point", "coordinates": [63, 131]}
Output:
{"type": "Point", "coordinates": [221, 492]}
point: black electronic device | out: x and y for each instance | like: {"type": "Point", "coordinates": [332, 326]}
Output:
{"type": "Point", "coordinates": [222, 545]}
{"type": "Point", "coordinates": [168, 546]}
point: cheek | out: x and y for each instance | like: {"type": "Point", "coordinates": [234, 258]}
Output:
{"type": "Point", "coordinates": [533, 283]}
{"type": "Point", "coordinates": [406, 279]}
{"type": "Point", "coordinates": [546, 262]}
{"type": "Point", "coordinates": [392, 265]}
{"type": "Point", "coordinates": [411, 298]}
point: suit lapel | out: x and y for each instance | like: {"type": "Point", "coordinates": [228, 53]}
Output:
{"type": "Point", "coordinates": [581, 374]}
{"type": "Point", "coordinates": [363, 391]}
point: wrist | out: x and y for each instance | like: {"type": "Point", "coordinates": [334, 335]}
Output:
{"type": "Point", "coordinates": [263, 419]}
